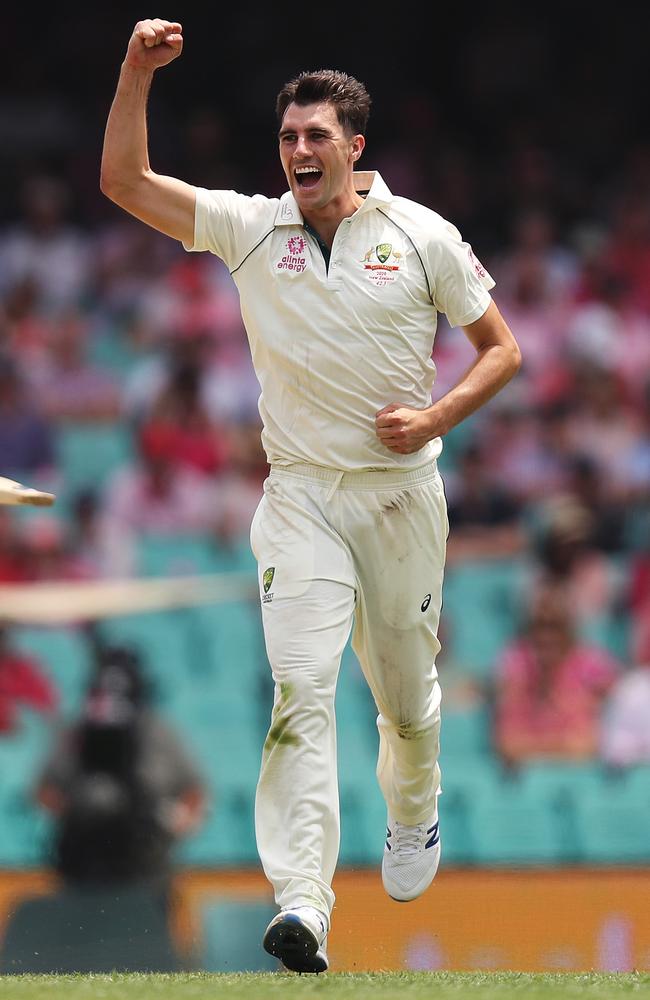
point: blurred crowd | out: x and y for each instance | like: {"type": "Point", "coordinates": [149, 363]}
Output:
{"type": "Point", "coordinates": [105, 323]}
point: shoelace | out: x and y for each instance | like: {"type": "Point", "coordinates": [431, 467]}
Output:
{"type": "Point", "coordinates": [408, 840]}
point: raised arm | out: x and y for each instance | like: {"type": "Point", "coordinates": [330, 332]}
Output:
{"type": "Point", "coordinates": [165, 203]}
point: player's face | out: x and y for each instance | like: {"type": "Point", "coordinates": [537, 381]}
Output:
{"type": "Point", "coordinates": [317, 155]}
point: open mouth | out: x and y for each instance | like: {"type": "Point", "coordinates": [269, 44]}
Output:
{"type": "Point", "coordinates": [308, 177]}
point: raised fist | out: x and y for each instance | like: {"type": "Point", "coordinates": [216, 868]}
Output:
{"type": "Point", "coordinates": [154, 43]}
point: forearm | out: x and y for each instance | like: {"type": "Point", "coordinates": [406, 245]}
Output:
{"type": "Point", "coordinates": [125, 157]}
{"type": "Point", "coordinates": [405, 430]}
{"type": "Point", "coordinates": [492, 369]}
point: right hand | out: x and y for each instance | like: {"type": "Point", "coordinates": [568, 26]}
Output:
{"type": "Point", "coordinates": [154, 43]}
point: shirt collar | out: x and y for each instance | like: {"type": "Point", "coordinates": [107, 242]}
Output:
{"type": "Point", "coordinates": [370, 181]}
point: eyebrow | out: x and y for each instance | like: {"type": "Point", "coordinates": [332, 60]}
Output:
{"type": "Point", "coordinates": [310, 128]}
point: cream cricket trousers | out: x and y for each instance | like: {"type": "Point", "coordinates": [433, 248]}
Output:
{"type": "Point", "coordinates": [335, 551]}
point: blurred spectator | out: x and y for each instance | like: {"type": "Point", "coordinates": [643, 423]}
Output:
{"type": "Point", "coordinates": [604, 423]}
{"type": "Point", "coordinates": [152, 495]}
{"type": "Point", "coordinates": [48, 550]}
{"type": "Point", "coordinates": [534, 299]}
{"type": "Point", "coordinates": [637, 459]}
{"type": "Point", "coordinates": [240, 486]}
{"type": "Point", "coordinates": [128, 258]}
{"type": "Point", "coordinates": [607, 325]}
{"type": "Point", "coordinates": [625, 731]}
{"type": "Point", "coordinates": [564, 555]}
{"type": "Point", "coordinates": [121, 786]}
{"type": "Point", "coordinates": [69, 385]}
{"type": "Point", "coordinates": [534, 236]}
{"type": "Point", "coordinates": [12, 556]}
{"type": "Point", "coordinates": [27, 439]}
{"type": "Point", "coordinates": [45, 246]}
{"type": "Point", "coordinates": [85, 534]}
{"type": "Point", "coordinates": [550, 685]}
{"type": "Point", "coordinates": [27, 327]}
{"type": "Point", "coordinates": [585, 482]}
{"type": "Point", "coordinates": [180, 425]}
{"type": "Point", "coordinates": [226, 382]}
{"type": "Point", "coordinates": [528, 448]}
{"type": "Point", "coordinates": [484, 517]}
{"type": "Point", "coordinates": [627, 252]}
{"type": "Point", "coordinates": [23, 683]}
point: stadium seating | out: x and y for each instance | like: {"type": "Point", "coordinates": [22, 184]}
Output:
{"type": "Point", "coordinates": [490, 588]}
{"type": "Point", "coordinates": [122, 929]}
{"type": "Point", "coordinates": [232, 931]}
{"type": "Point", "coordinates": [613, 821]}
{"type": "Point", "coordinates": [89, 453]}
{"type": "Point", "coordinates": [64, 653]}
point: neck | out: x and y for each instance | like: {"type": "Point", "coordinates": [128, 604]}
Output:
{"type": "Point", "coordinates": [327, 220]}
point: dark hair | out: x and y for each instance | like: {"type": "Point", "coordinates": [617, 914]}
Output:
{"type": "Point", "coordinates": [349, 97]}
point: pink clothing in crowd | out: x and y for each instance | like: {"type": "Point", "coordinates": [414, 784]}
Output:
{"type": "Point", "coordinates": [556, 713]}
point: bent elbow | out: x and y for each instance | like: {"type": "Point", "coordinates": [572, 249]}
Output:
{"type": "Point", "coordinates": [516, 359]}
{"type": "Point", "coordinates": [108, 186]}
{"type": "Point", "coordinates": [113, 185]}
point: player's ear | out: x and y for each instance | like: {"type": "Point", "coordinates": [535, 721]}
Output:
{"type": "Point", "coordinates": [358, 144]}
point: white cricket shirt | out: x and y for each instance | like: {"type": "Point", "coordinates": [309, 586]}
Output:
{"type": "Point", "coordinates": [332, 346]}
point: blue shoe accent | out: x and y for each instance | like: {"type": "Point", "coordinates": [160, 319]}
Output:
{"type": "Point", "coordinates": [434, 838]}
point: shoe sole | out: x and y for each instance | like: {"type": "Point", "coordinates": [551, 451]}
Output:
{"type": "Point", "coordinates": [294, 945]}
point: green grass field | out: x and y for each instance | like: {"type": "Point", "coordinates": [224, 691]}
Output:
{"type": "Point", "coordinates": [376, 986]}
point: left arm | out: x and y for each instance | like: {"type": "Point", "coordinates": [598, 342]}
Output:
{"type": "Point", "coordinates": [404, 429]}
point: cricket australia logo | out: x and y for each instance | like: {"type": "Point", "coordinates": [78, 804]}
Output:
{"type": "Point", "coordinates": [267, 580]}
{"type": "Point", "coordinates": [295, 258]}
{"type": "Point", "coordinates": [382, 261]}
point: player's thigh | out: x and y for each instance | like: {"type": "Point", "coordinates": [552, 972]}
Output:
{"type": "Point", "coordinates": [400, 567]}
{"type": "Point", "coordinates": [306, 579]}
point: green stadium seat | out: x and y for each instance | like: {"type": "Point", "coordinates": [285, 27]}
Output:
{"type": "Point", "coordinates": [491, 590]}
{"type": "Point", "coordinates": [562, 783]}
{"type": "Point", "coordinates": [232, 931]}
{"type": "Point", "coordinates": [354, 701]}
{"type": "Point", "coordinates": [175, 555]}
{"type": "Point", "coordinates": [163, 640]}
{"type": "Point", "coordinates": [64, 653]}
{"type": "Point", "coordinates": [613, 824]}
{"type": "Point", "coordinates": [510, 826]}
{"type": "Point", "coordinates": [109, 348]}
{"type": "Point", "coordinates": [466, 732]}
{"type": "Point", "coordinates": [363, 820]}
{"type": "Point", "coordinates": [89, 453]}
{"type": "Point", "coordinates": [455, 832]}
{"type": "Point", "coordinates": [226, 837]}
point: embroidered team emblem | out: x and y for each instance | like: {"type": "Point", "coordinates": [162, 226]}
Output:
{"type": "Point", "coordinates": [267, 578]}
{"type": "Point", "coordinates": [382, 262]}
{"type": "Point", "coordinates": [295, 257]}
{"type": "Point", "coordinates": [383, 251]}
{"type": "Point", "coordinates": [383, 257]}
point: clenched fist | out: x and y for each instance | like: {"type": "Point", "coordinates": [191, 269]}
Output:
{"type": "Point", "coordinates": [404, 429]}
{"type": "Point", "coordinates": [154, 43]}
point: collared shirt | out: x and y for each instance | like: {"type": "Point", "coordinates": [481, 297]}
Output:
{"type": "Point", "coordinates": [332, 345]}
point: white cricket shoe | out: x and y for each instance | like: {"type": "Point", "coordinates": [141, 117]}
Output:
{"type": "Point", "coordinates": [298, 937]}
{"type": "Point", "coordinates": [411, 858]}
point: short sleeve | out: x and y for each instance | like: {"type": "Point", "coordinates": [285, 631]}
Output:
{"type": "Point", "coordinates": [460, 283]}
{"type": "Point", "coordinates": [230, 224]}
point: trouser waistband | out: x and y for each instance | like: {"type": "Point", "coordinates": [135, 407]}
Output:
{"type": "Point", "coordinates": [386, 479]}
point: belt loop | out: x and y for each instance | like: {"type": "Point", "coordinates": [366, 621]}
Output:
{"type": "Point", "coordinates": [334, 487]}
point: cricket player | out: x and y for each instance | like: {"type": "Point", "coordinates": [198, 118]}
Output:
{"type": "Point", "coordinates": [340, 284]}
